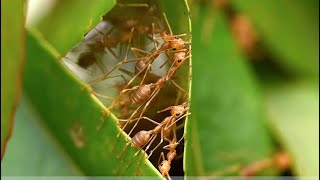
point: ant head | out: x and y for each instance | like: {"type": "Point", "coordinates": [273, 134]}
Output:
{"type": "Point", "coordinates": [177, 43]}
{"type": "Point", "coordinates": [186, 105]}
{"type": "Point", "coordinates": [178, 111]}
{"type": "Point", "coordinates": [164, 167]}
{"type": "Point", "coordinates": [86, 59]}
{"type": "Point", "coordinates": [179, 58]}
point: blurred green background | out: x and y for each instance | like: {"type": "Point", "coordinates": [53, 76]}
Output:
{"type": "Point", "coordinates": [255, 87]}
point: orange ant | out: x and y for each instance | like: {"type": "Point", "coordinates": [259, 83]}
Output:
{"type": "Point", "coordinates": [146, 138]}
{"type": "Point", "coordinates": [165, 165]}
{"type": "Point", "coordinates": [280, 160]}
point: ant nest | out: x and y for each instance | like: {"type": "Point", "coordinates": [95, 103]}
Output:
{"type": "Point", "coordinates": [132, 61]}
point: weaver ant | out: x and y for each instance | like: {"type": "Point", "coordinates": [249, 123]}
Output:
{"type": "Point", "coordinates": [145, 138]}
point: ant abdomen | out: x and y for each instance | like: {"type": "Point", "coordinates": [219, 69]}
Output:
{"type": "Point", "coordinates": [141, 94]}
{"type": "Point", "coordinates": [140, 139]}
{"type": "Point", "coordinates": [140, 67]}
{"type": "Point", "coordinates": [86, 59]}
{"type": "Point", "coordinates": [164, 168]}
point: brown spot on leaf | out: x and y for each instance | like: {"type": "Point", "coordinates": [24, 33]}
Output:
{"type": "Point", "coordinates": [77, 135]}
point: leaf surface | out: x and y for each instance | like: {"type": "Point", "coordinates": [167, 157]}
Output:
{"type": "Point", "coordinates": [294, 117]}
{"type": "Point", "coordinates": [290, 29]}
{"type": "Point", "coordinates": [226, 130]}
{"type": "Point", "coordinates": [12, 58]}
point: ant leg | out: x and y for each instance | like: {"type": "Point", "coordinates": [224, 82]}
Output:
{"type": "Point", "coordinates": [126, 147]}
{"type": "Point", "coordinates": [173, 82]}
{"type": "Point", "coordinates": [161, 156]}
{"type": "Point", "coordinates": [145, 74]}
{"type": "Point", "coordinates": [178, 35]}
{"type": "Point", "coordinates": [180, 126]}
{"type": "Point", "coordinates": [167, 22]}
{"type": "Point", "coordinates": [104, 115]}
{"type": "Point", "coordinates": [161, 141]}
{"type": "Point", "coordinates": [153, 38]}
{"type": "Point", "coordinates": [129, 43]}
{"type": "Point", "coordinates": [139, 50]}
{"type": "Point", "coordinates": [166, 109]}
{"type": "Point", "coordinates": [181, 139]}
{"type": "Point", "coordinates": [127, 72]}
{"type": "Point", "coordinates": [102, 96]}
{"type": "Point", "coordinates": [147, 148]}
{"type": "Point", "coordinates": [125, 125]}
{"type": "Point", "coordinates": [167, 127]}
{"type": "Point", "coordinates": [120, 156]}
{"type": "Point", "coordinates": [175, 134]}
{"type": "Point", "coordinates": [106, 76]}
{"type": "Point", "coordinates": [118, 75]}
{"type": "Point", "coordinates": [179, 96]}
{"type": "Point", "coordinates": [144, 117]}
{"type": "Point", "coordinates": [132, 79]}
{"type": "Point", "coordinates": [136, 111]}
{"type": "Point", "coordinates": [130, 89]}
{"type": "Point", "coordinates": [123, 151]}
{"type": "Point", "coordinates": [101, 66]}
{"type": "Point", "coordinates": [112, 53]}
{"type": "Point", "coordinates": [169, 38]}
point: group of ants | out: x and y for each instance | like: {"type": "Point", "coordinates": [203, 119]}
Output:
{"type": "Point", "coordinates": [140, 96]}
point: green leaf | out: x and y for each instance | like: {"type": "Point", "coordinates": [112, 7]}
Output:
{"type": "Point", "coordinates": [291, 29]}
{"type": "Point", "coordinates": [12, 58]}
{"type": "Point", "coordinates": [70, 20]}
{"type": "Point", "coordinates": [226, 129]}
{"type": "Point", "coordinates": [49, 160]}
{"type": "Point", "coordinates": [294, 117]}
{"type": "Point", "coordinates": [71, 113]}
